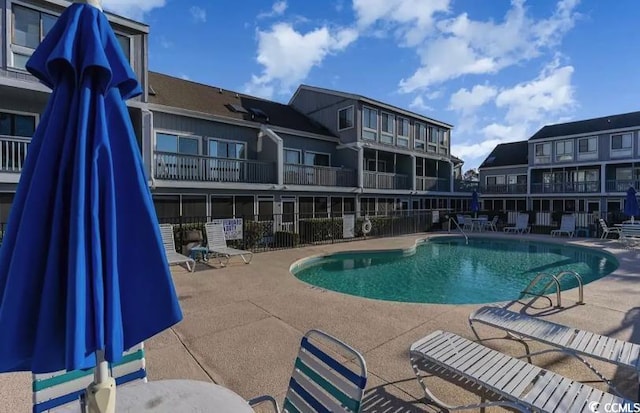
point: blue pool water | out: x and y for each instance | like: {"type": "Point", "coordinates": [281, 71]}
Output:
{"type": "Point", "coordinates": [446, 270]}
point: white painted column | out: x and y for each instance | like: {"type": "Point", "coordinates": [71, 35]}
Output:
{"type": "Point", "coordinates": [360, 167]}
{"type": "Point", "coordinates": [280, 161]}
{"type": "Point", "coordinates": [413, 172]}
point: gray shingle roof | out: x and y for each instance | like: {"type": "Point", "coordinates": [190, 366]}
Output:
{"type": "Point", "coordinates": [507, 154]}
{"type": "Point", "coordinates": [179, 93]}
{"type": "Point", "coordinates": [625, 120]}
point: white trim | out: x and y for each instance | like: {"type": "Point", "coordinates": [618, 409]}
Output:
{"type": "Point", "coordinates": [564, 144]}
{"type": "Point", "coordinates": [623, 153]}
{"type": "Point", "coordinates": [15, 48]}
{"type": "Point", "coordinates": [208, 139]}
{"type": "Point", "coordinates": [178, 135]}
{"type": "Point", "coordinates": [587, 134]}
{"type": "Point", "coordinates": [589, 155]}
{"type": "Point", "coordinates": [131, 46]}
{"type": "Point", "coordinates": [488, 168]}
{"type": "Point", "coordinates": [353, 118]}
{"type": "Point", "coordinates": [550, 155]}
{"type": "Point", "coordinates": [364, 128]}
{"type": "Point", "coordinates": [19, 112]}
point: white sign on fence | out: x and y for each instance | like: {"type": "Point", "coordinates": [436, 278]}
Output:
{"type": "Point", "coordinates": [435, 217]}
{"type": "Point", "coordinates": [232, 228]}
{"type": "Point", "coordinates": [348, 226]}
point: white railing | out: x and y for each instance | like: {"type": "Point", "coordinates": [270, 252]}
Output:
{"type": "Point", "coordinates": [13, 151]}
{"type": "Point", "coordinates": [295, 174]}
{"type": "Point", "coordinates": [382, 180]}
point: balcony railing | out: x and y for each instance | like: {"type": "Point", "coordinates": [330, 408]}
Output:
{"type": "Point", "coordinates": [382, 180]}
{"type": "Point", "coordinates": [622, 185]}
{"type": "Point", "coordinates": [13, 151]}
{"type": "Point", "coordinates": [181, 167]}
{"type": "Point", "coordinates": [504, 189]}
{"type": "Point", "coordinates": [460, 185]}
{"type": "Point", "coordinates": [295, 174]}
{"type": "Point", "coordinates": [566, 187]}
{"type": "Point", "coordinates": [427, 183]}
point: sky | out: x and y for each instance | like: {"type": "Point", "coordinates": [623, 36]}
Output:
{"type": "Point", "coordinates": [497, 70]}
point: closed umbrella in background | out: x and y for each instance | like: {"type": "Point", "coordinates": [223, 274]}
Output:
{"type": "Point", "coordinates": [83, 273]}
{"type": "Point", "coordinates": [475, 202]}
{"type": "Point", "coordinates": [631, 208]}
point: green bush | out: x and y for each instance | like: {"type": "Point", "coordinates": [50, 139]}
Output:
{"type": "Point", "coordinates": [255, 232]}
{"type": "Point", "coordinates": [283, 239]}
{"type": "Point", "coordinates": [320, 229]}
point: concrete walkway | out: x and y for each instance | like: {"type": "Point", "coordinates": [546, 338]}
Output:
{"type": "Point", "coordinates": [243, 323]}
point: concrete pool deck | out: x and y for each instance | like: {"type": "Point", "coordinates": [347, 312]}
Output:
{"type": "Point", "coordinates": [243, 323]}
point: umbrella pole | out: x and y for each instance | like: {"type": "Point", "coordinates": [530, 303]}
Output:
{"type": "Point", "coordinates": [101, 394]}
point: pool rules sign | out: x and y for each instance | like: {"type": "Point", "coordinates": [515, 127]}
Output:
{"type": "Point", "coordinates": [348, 226]}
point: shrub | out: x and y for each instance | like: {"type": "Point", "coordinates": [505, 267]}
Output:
{"type": "Point", "coordinates": [320, 229]}
{"type": "Point", "coordinates": [283, 239]}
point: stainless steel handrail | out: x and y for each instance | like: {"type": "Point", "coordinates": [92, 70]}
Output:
{"type": "Point", "coordinates": [458, 226]}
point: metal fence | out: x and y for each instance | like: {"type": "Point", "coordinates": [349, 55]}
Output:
{"type": "Point", "coordinates": [282, 231]}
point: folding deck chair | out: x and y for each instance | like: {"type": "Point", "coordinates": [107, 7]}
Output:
{"type": "Point", "coordinates": [567, 226]}
{"type": "Point", "coordinates": [569, 340]}
{"type": "Point", "coordinates": [522, 225]}
{"type": "Point", "coordinates": [173, 257]}
{"type": "Point", "coordinates": [321, 383]}
{"type": "Point", "coordinates": [217, 244]}
{"type": "Point", "coordinates": [516, 383]}
{"type": "Point", "coordinates": [52, 390]}
{"type": "Point", "coordinates": [606, 230]}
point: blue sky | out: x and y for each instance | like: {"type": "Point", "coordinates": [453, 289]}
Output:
{"type": "Point", "coordinates": [497, 70]}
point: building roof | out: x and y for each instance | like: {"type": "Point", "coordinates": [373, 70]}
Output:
{"type": "Point", "coordinates": [507, 154]}
{"type": "Point", "coordinates": [621, 121]}
{"type": "Point", "coordinates": [356, 96]}
{"type": "Point", "coordinates": [179, 93]}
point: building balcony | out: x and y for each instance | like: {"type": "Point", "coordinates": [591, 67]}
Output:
{"type": "Point", "coordinates": [198, 168]}
{"type": "Point", "coordinates": [622, 185]}
{"type": "Point", "coordinates": [427, 183]}
{"type": "Point", "coordinates": [13, 151]}
{"type": "Point", "coordinates": [460, 185]}
{"type": "Point", "coordinates": [567, 187]}
{"type": "Point", "coordinates": [504, 189]}
{"type": "Point", "coordinates": [383, 180]}
{"type": "Point", "coordinates": [295, 174]}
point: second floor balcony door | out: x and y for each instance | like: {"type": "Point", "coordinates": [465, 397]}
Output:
{"type": "Point", "coordinates": [225, 163]}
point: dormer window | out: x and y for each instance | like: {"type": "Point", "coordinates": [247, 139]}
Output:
{"type": "Point", "coordinates": [345, 118]}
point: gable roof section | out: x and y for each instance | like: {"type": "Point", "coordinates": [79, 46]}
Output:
{"type": "Point", "coordinates": [178, 93]}
{"type": "Point", "coordinates": [621, 121]}
{"type": "Point", "coordinates": [507, 154]}
{"type": "Point", "coordinates": [378, 103]}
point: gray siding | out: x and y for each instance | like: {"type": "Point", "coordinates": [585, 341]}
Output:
{"type": "Point", "coordinates": [323, 108]}
{"type": "Point", "coordinates": [308, 144]}
{"type": "Point", "coordinates": [210, 129]}
{"type": "Point", "coordinates": [484, 172]}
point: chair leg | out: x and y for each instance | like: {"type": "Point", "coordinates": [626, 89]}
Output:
{"type": "Point", "coordinates": [247, 261]}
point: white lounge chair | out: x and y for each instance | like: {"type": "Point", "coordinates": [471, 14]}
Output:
{"type": "Point", "coordinates": [630, 235]}
{"type": "Point", "coordinates": [328, 376]}
{"type": "Point", "coordinates": [493, 224]}
{"type": "Point", "coordinates": [567, 226]}
{"type": "Point", "coordinates": [522, 225]}
{"type": "Point", "coordinates": [518, 384]}
{"type": "Point", "coordinates": [217, 244]}
{"type": "Point", "coordinates": [569, 340]}
{"type": "Point", "coordinates": [173, 257]}
{"type": "Point", "coordinates": [606, 230]}
{"type": "Point", "coordinates": [52, 390]}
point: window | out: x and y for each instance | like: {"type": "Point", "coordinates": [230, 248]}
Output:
{"type": "Point", "coordinates": [369, 124]}
{"type": "Point", "coordinates": [125, 45]}
{"type": "Point", "coordinates": [29, 27]}
{"type": "Point", "coordinates": [621, 144]}
{"type": "Point", "coordinates": [221, 207]}
{"type": "Point", "coordinates": [345, 118]}
{"type": "Point", "coordinates": [386, 128]}
{"type": "Point", "coordinates": [13, 124]}
{"type": "Point", "coordinates": [420, 137]}
{"type": "Point", "coordinates": [564, 151]}
{"type": "Point", "coordinates": [588, 148]}
{"type": "Point", "coordinates": [177, 144]}
{"type": "Point", "coordinates": [442, 136]}
{"type": "Point", "coordinates": [316, 159]}
{"type": "Point", "coordinates": [265, 208]}
{"type": "Point", "coordinates": [403, 132]}
{"type": "Point", "coordinates": [495, 180]}
{"type": "Point", "coordinates": [194, 205]}
{"type": "Point", "coordinates": [226, 149]}
{"type": "Point", "coordinates": [292, 156]}
{"type": "Point", "coordinates": [542, 153]}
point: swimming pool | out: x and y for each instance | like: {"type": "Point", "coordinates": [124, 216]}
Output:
{"type": "Point", "coordinates": [448, 271]}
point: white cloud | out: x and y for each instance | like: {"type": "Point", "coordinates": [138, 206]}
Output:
{"type": "Point", "coordinates": [198, 14]}
{"type": "Point", "coordinates": [466, 101]}
{"type": "Point", "coordinates": [410, 20]}
{"type": "Point", "coordinates": [463, 46]}
{"type": "Point", "coordinates": [185, 77]}
{"type": "Point", "coordinates": [165, 43]}
{"type": "Point", "coordinates": [277, 9]}
{"type": "Point", "coordinates": [419, 104]}
{"type": "Point", "coordinates": [133, 10]}
{"type": "Point", "coordinates": [288, 55]}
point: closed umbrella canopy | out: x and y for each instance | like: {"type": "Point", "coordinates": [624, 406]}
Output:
{"type": "Point", "coordinates": [631, 208]}
{"type": "Point", "coordinates": [475, 203]}
{"type": "Point", "coordinates": [82, 266]}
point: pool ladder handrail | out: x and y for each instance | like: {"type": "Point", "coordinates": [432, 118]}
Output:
{"type": "Point", "coordinates": [458, 225]}
{"type": "Point", "coordinates": [555, 279]}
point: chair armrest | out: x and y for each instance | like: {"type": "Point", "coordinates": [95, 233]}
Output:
{"type": "Point", "coordinates": [266, 398]}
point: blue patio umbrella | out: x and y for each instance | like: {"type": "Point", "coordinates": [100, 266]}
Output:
{"type": "Point", "coordinates": [631, 207]}
{"type": "Point", "coordinates": [475, 203]}
{"type": "Point", "coordinates": [83, 273]}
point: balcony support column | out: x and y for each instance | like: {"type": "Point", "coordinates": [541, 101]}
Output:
{"type": "Point", "coordinates": [360, 167]}
{"type": "Point", "coordinates": [265, 131]}
{"type": "Point", "coordinates": [413, 176]}
{"type": "Point", "coordinates": [603, 179]}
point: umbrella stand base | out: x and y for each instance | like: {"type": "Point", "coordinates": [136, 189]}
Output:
{"type": "Point", "coordinates": [101, 397]}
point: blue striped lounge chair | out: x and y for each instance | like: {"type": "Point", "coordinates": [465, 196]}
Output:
{"type": "Point", "coordinates": [52, 390]}
{"type": "Point", "coordinates": [321, 383]}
